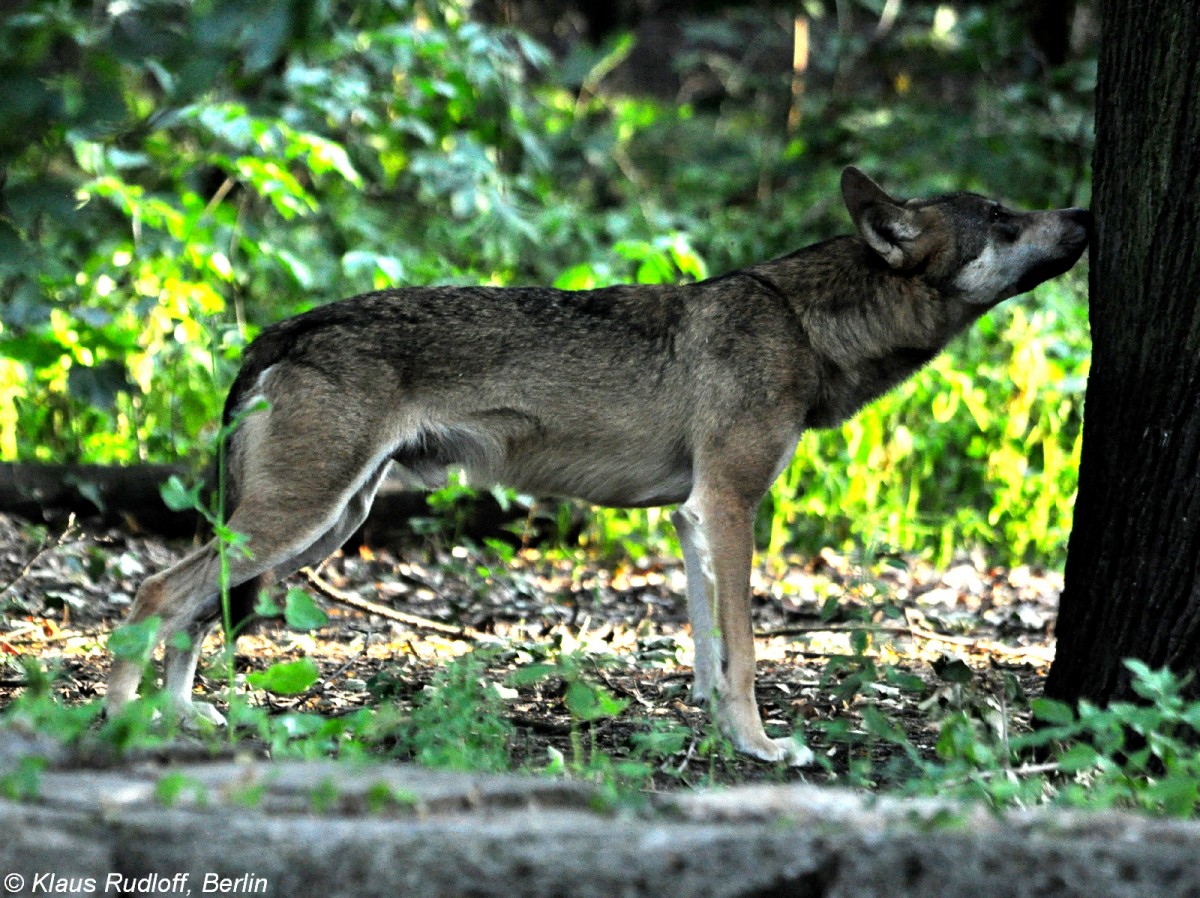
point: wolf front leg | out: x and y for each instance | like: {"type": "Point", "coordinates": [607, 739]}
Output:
{"type": "Point", "coordinates": [698, 567]}
{"type": "Point", "coordinates": [716, 529]}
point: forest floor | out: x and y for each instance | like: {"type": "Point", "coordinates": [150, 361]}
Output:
{"type": "Point", "coordinates": [837, 635]}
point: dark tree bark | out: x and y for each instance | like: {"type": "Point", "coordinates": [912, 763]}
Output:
{"type": "Point", "coordinates": [1133, 562]}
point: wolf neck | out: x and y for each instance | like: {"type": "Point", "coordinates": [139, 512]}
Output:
{"type": "Point", "coordinates": [870, 327]}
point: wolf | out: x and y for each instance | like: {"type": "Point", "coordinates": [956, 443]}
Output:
{"type": "Point", "coordinates": [690, 395]}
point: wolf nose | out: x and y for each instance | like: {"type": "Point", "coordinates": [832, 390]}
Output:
{"type": "Point", "coordinates": [1083, 218]}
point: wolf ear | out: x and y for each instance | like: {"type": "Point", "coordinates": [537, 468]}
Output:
{"type": "Point", "coordinates": [889, 228]}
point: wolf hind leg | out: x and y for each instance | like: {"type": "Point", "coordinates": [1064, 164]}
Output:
{"type": "Point", "coordinates": [352, 517]}
{"type": "Point", "coordinates": [167, 595]}
{"type": "Point", "coordinates": [179, 672]}
{"type": "Point", "coordinates": [287, 522]}
{"type": "Point", "coordinates": [180, 661]}
{"type": "Point", "coordinates": [354, 513]}
{"type": "Point", "coordinates": [178, 678]}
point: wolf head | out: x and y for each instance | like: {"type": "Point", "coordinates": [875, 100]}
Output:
{"type": "Point", "coordinates": [970, 247]}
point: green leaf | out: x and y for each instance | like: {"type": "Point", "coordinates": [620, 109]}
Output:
{"type": "Point", "coordinates": [579, 277]}
{"type": "Point", "coordinates": [588, 702]}
{"type": "Point", "coordinates": [391, 268]}
{"type": "Point", "coordinates": [179, 497]}
{"type": "Point", "coordinates": [296, 267]}
{"type": "Point", "coordinates": [286, 678]}
{"type": "Point", "coordinates": [860, 641]}
{"type": "Point", "coordinates": [533, 673]}
{"type": "Point", "coordinates": [381, 797]}
{"type": "Point", "coordinates": [1052, 711]}
{"type": "Point", "coordinates": [264, 605]}
{"type": "Point", "coordinates": [135, 642]}
{"type": "Point", "coordinates": [13, 251]}
{"type": "Point", "coordinates": [27, 306]}
{"type": "Point", "coordinates": [301, 612]}
{"type": "Point", "coordinates": [660, 742]}
{"type": "Point", "coordinates": [687, 259]}
{"type": "Point", "coordinates": [880, 726]}
{"type": "Point", "coordinates": [1152, 684]}
{"type": "Point", "coordinates": [830, 609]}
{"type": "Point", "coordinates": [264, 38]}
{"type": "Point", "coordinates": [24, 781]}
{"type": "Point", "coordinates": [906, 681]}
{"type": "Point", "coordinates": [1078, 757]}
{"type": "Point", "coordinates": [175, 787]}
{"type": "Point", "coordinates": [1178, 795]}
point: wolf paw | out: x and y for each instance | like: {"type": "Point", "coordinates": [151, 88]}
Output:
{"type": "Point", "coordinates": [198, 716]}
{"type": "Point", "coordinates": [789, 751]}
{"type": "Point", "coordinates": [795, 752]}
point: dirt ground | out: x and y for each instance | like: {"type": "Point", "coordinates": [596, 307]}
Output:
{"type": "Point", "coordinates": [969, 635]}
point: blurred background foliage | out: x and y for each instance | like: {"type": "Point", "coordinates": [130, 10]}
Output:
{"type": "Point", "coordinates": [178, 174]}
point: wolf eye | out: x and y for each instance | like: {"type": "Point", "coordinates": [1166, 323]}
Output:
{"type": "Point", "coordinates": [1003, 225]}
{"type": "Point", "coordinates": [1007, 231]}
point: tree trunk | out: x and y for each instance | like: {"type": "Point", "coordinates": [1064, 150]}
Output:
{"type": "Point", "coordinates": [1133, 562]}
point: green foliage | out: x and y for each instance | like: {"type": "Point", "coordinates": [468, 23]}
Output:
{"type": "Point", "coordinates": [24, 781]}
{"type": "Point", "coordinates": [135, 642]}
{"type": "Point", "coordinates": [300, 612]}
{"type": "Point", "coordinates": [179, 175]}
{"type": "Point", "coordinates": [621, 779]}
{"type": "Point", "coordinates": [206, 179]}
{"type": "Point", "coordinates": [174, 788]}
{"type": "Point", "coordinates": [36, 709]}
{"type": "Point", "coordinates": [286, 677]}
{"type": "Point", "coordinates": [1142, 755]}
{"type": "Point", "coordinates": [585, 699]}
{"type": "Point", "coordinates": [458, 721]}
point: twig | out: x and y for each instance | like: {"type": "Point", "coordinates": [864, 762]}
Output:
{"type": "Point", "coordinates": [19, 631]}
{"type": "Point", "coordinates": [1023, 770]}
{"type": "Point", "coordinates": [983, 645]}
{"type": "Point", "coordinates": [359, 655]}
{"type": "Point", "coordinates": [687, 759]}
{"type": "Point", "coordinates": [337, 674]}
{"type": "Point", "coordinates": [403, 617]}
{"type": "Point", "coordinates": [47, 545]}
{"type": "Point", "coordinates": [60, 636]}
{"type": "Point", "coordinates": [801, 629]}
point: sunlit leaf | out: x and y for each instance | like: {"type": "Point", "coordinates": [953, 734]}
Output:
{"type": "Point", "coordinates": [301, 612]}
{"type": "Point", "coordinates": [286, 678]}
